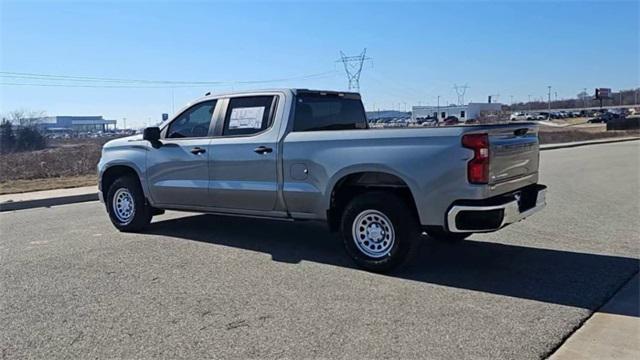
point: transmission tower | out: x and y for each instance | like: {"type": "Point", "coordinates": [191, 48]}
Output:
{"type": "Point", "coordinates": [353, 68]}
{"type": "Point", "coordinates": [460, 91]}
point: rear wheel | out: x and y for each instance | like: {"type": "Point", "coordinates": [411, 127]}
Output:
{"type": "Point", "coordinates": [127, 206]}
{"type": "Point", "coordinates": [379, 231]}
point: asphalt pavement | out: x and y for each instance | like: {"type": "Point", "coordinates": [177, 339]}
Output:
{"type": "Point", "coordinates": [202, 286]}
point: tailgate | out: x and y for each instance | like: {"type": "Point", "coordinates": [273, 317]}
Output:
{"type": "Point", "coordinates": [513, 152]}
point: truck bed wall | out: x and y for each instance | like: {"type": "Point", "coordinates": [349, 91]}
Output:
{"type": "Point", "coordinates": [430, 161]}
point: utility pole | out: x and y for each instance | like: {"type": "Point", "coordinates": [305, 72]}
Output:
{"type": "Point", "coordinates": [438, 109]}
{"type": "Point", "coordinates": [549, 113]}
{"type": "Point", "coordinates": [353, 68]}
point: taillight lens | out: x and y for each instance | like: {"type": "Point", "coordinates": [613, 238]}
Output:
{"type": "Point", "coordinates": [478, 167]}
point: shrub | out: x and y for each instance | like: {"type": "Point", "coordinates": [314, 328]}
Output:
{"type": "Point", "coordinates": [7, 137]}
{"type": "Point", "coordinates": [29, 138]}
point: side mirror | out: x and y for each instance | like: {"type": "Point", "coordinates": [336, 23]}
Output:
{"type": "Point", "coordinates": [151, 134]}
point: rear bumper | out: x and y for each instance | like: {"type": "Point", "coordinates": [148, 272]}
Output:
{"type": "Point", "coordinates": [493, 214]}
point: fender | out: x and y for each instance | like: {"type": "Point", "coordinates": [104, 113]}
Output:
{"type": "Point", "coordinates": [366, 167]}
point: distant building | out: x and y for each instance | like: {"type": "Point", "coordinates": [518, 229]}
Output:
{"type": "Point", "coordinates": [76, 123]}
{"type": "Point", "coordinates": [462, 112]}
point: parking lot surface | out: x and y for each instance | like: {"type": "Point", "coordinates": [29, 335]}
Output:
{"type": "Point", "coordinates": [202, 286]}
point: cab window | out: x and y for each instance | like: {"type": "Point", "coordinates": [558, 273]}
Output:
{"type": "Point", "coordinates": [248, 115]}
{"type": "Point", "coordinates": [315, 112]}
{"type": "Point", "coordinates": [194, 122]}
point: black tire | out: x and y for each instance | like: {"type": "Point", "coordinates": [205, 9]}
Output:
{"type": "Point", "coordinates": [142, 212]}
{"type": "Point", "coordinates": [403, 225]}
{"type": "Point", "coordinates": [442, 235]}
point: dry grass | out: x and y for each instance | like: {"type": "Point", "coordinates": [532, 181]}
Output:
{"type": "Point", "coordinates": [64, 164]}
{"type": "Point", "coordinates": [21, 186]}
{"type": "Point", "coordinates": [549, 135]}
{"type": "Point", "coordinates": [59, 160]}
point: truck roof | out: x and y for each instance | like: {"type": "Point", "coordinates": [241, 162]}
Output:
{"type": "Point", "coordinates": [293, 90]}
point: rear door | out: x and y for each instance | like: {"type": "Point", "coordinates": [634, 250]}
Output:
{"type": "Point", "coordinates": [243, 156]}
{"type": "Point", "coordinates": [514, 152]}
{"type": "Point", "coordinates": [177, 170]}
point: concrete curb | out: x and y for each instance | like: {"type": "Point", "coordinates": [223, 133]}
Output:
{"type": "Point", "coordinates": [610, 332]}
{"type": "Point", "coordinates": [47, 202]}
{"type": "Point", "coordinates": [584, 143]}
{"type": "Point", "coordinates": [93, 195]}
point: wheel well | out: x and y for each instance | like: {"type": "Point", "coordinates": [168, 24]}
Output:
{"type": "Point", "coordinates": [113, 173]}
{"type": "Point", "coordinates": [355, 184]}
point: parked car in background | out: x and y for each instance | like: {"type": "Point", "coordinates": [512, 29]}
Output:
{"type": "Point", "coordinates": [427, 119]}
{"type": "Point", "coordinates": [296, 154]}
{"type": "Point", "coordinates": [518, 116]}
{"type": "Point", "coordinates": [604, 117]}
{"type": "Point", "coordinates": [536, 116]}
{"type": "Point", "coordinates": [451, 120]}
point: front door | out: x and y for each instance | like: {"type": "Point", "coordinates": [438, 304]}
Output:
{"type": "Point", "coordinates": [177, 169]}
{"type": "Point", "coordinates": [242, 161]}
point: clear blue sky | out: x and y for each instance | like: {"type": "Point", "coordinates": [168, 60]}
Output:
{"type": "Point", "coordinates": [419, 50]}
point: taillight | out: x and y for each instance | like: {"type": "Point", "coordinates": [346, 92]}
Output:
{"type": "Point", "coordinates": [478, 167]}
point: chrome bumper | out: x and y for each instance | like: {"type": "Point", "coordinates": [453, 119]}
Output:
{"type": "Point", "coordinates": [511, 213]}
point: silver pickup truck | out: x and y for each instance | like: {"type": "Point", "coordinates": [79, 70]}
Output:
{"type": "Point", "coordinates": [310, 155]}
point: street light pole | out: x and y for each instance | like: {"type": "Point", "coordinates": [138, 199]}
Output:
{"type": "Point", "coordinates": [549, 106]}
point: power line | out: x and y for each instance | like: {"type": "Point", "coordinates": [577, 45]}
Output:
{"type": "Point", "coordinates": [99, 86]}
{"type": "Point", "coordinates": [168, 83]}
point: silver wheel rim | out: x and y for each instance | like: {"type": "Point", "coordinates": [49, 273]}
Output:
{"type": "Point", "coordinates": [373, 233]}
{"type": "Point", "coordinates": [124, 207]}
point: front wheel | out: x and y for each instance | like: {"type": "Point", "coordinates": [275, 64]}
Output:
{"type": "Point", "coordinates": [127, 206]}
{"type": "Point", "coordinates": [379, 231]}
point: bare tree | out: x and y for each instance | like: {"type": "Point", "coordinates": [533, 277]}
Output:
{"type": "Point", "coordinates": [26, 118]}
{"type": "Point", "coordinates": [27, 133]}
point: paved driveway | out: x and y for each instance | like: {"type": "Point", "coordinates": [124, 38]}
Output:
{"type": "Point", "coordinates": [204, 286]}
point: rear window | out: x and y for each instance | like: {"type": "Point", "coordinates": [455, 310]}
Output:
{"type": "Point", "coordinates": [316, 112]}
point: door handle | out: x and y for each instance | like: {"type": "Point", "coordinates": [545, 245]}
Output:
{"type": "Point", "coordinates": [198, 150]}
{"type": "Point", "coordinates": [263, 150]}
